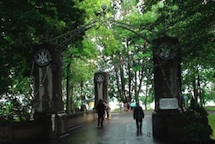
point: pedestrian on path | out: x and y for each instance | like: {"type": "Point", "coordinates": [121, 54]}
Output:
{"type": "Point", "coordinates": [100, 108]}
{"type": "Point", "coordinates": [138, 115]}
{"type": "Point", "coordinates": [107, 110]}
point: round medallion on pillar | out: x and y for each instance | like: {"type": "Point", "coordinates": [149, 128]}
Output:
{"type": "Point", "coordinates": [100, 78]}
{"type": "Point", "coordinates": [166, 51]}
{"type": "Point", "coordinates": [42, 57]}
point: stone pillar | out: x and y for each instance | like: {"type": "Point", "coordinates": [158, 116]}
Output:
{"type": "Point", "coordinates": [167, 78]}
{"type": "Point", "coordinates": [167, 84]}
{"type": "Point", "coordinates": [48, 104]}
{"type": "Point", "coordinates": [101, 89]}
{"type": "Point", "coordinates": [101, 86]}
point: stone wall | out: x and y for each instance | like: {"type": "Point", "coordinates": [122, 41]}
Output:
{"type": "Point", "coordinates": [34, 130]}
{"type": "Point", "coordinates": [80, 118]}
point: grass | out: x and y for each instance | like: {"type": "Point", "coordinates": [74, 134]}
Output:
{"type": "Point", "coordinates": [210, 108]}
{"type": "Point", "coordinates": [116, 110]}
{"type": "Point", "coordinates": [211, 121]}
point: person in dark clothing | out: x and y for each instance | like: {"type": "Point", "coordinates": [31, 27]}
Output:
{"type": "Point", "coordinates": [138, 115]}
{"type": "Point", "coordinates": [100, 108]}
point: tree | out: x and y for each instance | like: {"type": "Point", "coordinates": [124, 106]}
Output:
{"type": "Point", "coordinates": [23, 25]}
{"type": "Point", "coordinates": [195, 30]}
{"type": "Point", "coordinates": [132, 56]}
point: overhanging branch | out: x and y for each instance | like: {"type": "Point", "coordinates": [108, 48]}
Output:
{"type": "Point", "coordinates": [130, 28]}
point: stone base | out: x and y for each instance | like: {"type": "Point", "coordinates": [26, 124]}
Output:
{"type": "Point", "coordinates": [168, 124]}
{"type": "Point", "coordinates": [54, 125]}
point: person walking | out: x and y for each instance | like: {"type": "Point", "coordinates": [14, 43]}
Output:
{"type": "Point", "coordinates": [100, 108]}
{"type": "Point", "coordinates": [107, 110]}
{"type": "Point", "coordinates": [138, 115]}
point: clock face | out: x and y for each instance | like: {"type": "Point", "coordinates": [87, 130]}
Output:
{"type": "Point", "coordinates": [42, 57]}
{"type": "Point", "coordinates": [100, 78]}
{"type": "Point", "coordinates": [165, 51]}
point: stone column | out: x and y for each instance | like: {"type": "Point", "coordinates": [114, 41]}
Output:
{"type": "Point", "coordinates": [101, 86]}
{"type": "Point", "coordinates": [101, 89]}
{"type": "Point", "coordinates": [167, 84]}
{"type": "Point", "coordinates": [48, 104]}
{"type": "Point", "coordinates": [47, 79]}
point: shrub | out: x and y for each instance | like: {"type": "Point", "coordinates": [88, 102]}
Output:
{"type": "Point", "coordinates": [196, 124]}
{"type": "Point", "coordinates": [14, 109]}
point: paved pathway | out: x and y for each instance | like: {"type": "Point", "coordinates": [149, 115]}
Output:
{"type": "Point", "coordinates": [121, 129]}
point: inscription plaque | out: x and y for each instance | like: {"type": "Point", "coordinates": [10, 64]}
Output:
{"type": "Point", "coordinates": [168, 103]}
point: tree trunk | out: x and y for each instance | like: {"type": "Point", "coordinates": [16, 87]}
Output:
{"type": "Point", "coordinates": [195, 91]}
{"type": "Point", "coordinates": [68, 108]}
{"type": "Point", "coordinates": [71, 99]}
{"type": "Point", "coordinates": [199, 90]}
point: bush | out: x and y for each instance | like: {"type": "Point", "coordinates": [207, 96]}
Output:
{"type": "Point", "coordinates": [13, 109]}
{"type": "Point", "coordinates": [196, 124]}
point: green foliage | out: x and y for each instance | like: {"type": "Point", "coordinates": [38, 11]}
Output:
{"type": "Point", "coordinates": [15, 108]}
{"type": "Point", "coordinates": [81, 70]}
{"type": "Point", "coordinates": [210, 108]}
{"type": "Point", "coordinates": [149, 99]}
{"type": "Point", "coordinates": [194, 28]}
{"type": "Point", "coordinates": [23, 25]}
{"type": "Point", "coordinates": [16, 105]}
{"type": "Point", "coordinates": [211, 92]}
{"type": "Point", "coordinates": [197, 128]}
{"type": "Point", "coordinates": [211, 121]}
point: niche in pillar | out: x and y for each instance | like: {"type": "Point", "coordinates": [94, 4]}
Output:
{"type": "Point", "coordinates": [47, 79]}
{"type": "Point", "coordinates": [167, 73]}
{"type": "Point", "coordinates": [101, 86]}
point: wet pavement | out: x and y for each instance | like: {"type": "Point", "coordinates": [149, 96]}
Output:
{"type": "Point", "coordinates": [121, 129]}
